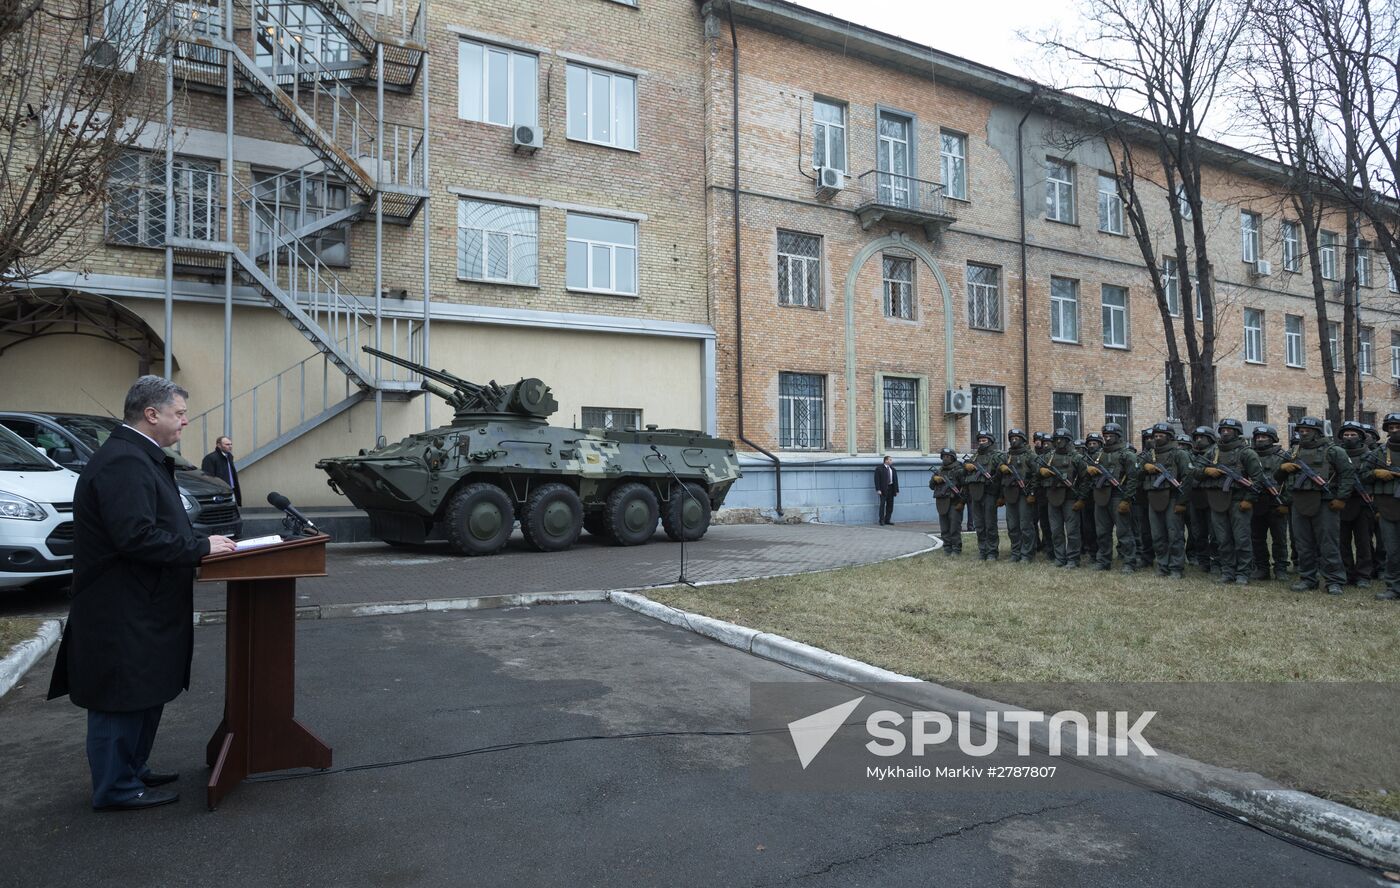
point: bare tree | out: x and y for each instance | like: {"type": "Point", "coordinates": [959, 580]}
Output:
{"type": "Point", "coordinates": [80, 82]}
{"type": "Point", "coordinates": [1158, 66]}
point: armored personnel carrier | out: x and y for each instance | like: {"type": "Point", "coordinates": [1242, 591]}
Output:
{"type": "Point", "coordinates": [501, 461]}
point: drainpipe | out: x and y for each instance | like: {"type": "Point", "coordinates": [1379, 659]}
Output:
{"type": "Point", "coordinates": [1025, 298]}
{"type": "Point", "coordinates": [738, 279]}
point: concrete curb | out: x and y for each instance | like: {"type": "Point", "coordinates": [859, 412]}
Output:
{"type": "Point", "coordinates": [1355, 834]}
{"type": "Point", "coordinates": [27, 653]}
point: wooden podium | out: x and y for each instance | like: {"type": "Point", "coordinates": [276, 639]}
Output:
{"type": "Point", "coordinates": [258, 732]}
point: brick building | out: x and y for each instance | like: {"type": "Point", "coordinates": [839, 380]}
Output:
{"type": "Point", "coordinates": [863, 300]}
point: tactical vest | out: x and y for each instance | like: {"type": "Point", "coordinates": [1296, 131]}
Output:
{"type": "Point", "coordinates": [1221, 492]}
{"type": "Point", "coordinates": [1307, 494]}
{"type": "Point", "coordinates": [1161, 495]}
{"type": "Point", "coordinates": [943, 495]}
{"type": "Point", "coordinates": [1115, 464]}
{"type": "Point", "coordinates": [977, 485]}
{"type": "Point", "coordinates": [1387, 493]}
{"type": "Point", "coordinates": [1199, 497]}
{"type": "Point", "coordinates": [1010, 490]}
{"type": "Point", "coordinates": [1271, 458]}
{"type": "Point", "coordinates": [1056, 491]}
{"type": "Point", "coordinates": [1355, 504]}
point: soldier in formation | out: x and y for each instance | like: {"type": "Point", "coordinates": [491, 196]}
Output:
{"type": "Point", "coordinates": [1062, 474]}
{"type": "Point", "coordinates": [984, 494]}
{"type": "Point", "coordinates": [1381, 470]}
{"type": "Point", "coordinates": [1268, 522]}
{"type": "Point", "coordinates": [1113, 474]}
{"type": "Point", "coordinates": [1018, 485]}
{"type": "Point", "coordinates": [949, 497]}
{"type": "Point", "coordinates": [1320, 478]}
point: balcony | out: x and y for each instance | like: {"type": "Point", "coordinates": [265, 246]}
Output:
{"type": "Point", "coordinates": [889, 197]}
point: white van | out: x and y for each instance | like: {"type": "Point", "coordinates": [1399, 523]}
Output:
{"type": "Point", "coordinates": [36, 515]}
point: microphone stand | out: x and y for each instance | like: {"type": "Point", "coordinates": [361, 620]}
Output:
{"type": "Point", "coordinates": [667, 463]}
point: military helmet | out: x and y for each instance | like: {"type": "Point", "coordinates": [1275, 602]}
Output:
{"type": "Point", "coordinates": [1310, 422]}
{"type": "Point", "coordinates": [1266, 431]}
{"type": "Point", "coordinates": [1040, 436]}
{"type": "Point", "coordinates": [1161, 428]}
{"type": "Point", "coordinates": [1112, 428]}
{"type": "Point", "coordinates": [1093, 436]}
{"type": "Point", "coordinates": [1370, 431]}
{"type": "Point", "coordinates": [983, 433]}
{"type": "Point", "coordinates": [1077, 442]}
{"type": "Point", "coordinates": [1060, 433]}
{"type": "Point", "coordinates": [1183, 438]}
{"type": "Point", "coordinates": [1016, 433]}
{"type": "Point", "coordinates": [1228, 423]}
{"type": "Point", "coordinates": [946, 453]}
{"type": "Point", "coordinates": [1352, 425]}
{"type": "Point", "coordinates": [1207, 431]}
{"type": "Point", "coordinates": [1390, 419]}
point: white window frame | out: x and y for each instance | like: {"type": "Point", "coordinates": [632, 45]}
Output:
{"type": "Point", "coordinates": [1254, 336]}
{"type": "Point", "coordinates": [612, 248]}
{"type": "Point", "coordinates": [1059, 192]}
{"type": "Point", "coordinates": [1366, 351]}
{"type": "Point", "coordinates": [1327, 254]}
{"type": "Point", "coordinates": [512, 239]}
{"type": "Point", "coordinates": [1171, 285]}
{"type": "Point", "coordinates": [1390, 282]}
{"type": "Point", "coordinates": [953, 164]}
{"type": "Point", "coordinates": [613, 104]}
{"type": "Point", "coordinates": [890, 286]}
{"type": "Point", "coordinates": [1249, 237]}
{"type": "Point", "coordinates": [807, 268]}
{"type": "Point", "coordinates": [821, 135]}
{"type": "Point", "coordinates": [1061, 308]}
{"type": "Point", "coordinates": [1115, 317]}
{"type": "Point", "coordinates": [1334, 341]}
{"type": "Point", "coordinates": [198, 200]}
{"type": "Point", "coordinates": [1182, 204]}
{"type": "Point", "coordinates": [1363, 264]}
{"type": "Point", "coordinates": [1293, 341]}
{"type": "Point", "coordinates": [485, 83]}
{"type": "Point", "coordinates": [984, 299]}
{"type": "Point", "coordinates": [1110, 205]}
{"type": "Point", "coordinates": [1292, 246]}
{"type": "Point", "coordinates": [1395, 355]}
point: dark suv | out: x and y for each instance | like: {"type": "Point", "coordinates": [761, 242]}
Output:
{"type": "Point", "coordinates": [70, 439]}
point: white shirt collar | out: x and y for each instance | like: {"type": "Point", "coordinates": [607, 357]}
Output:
{"type": "Point", "coordinates": [144, 435]}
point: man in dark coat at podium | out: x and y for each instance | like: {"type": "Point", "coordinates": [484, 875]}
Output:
{"type": "Point", "coordinates": [129, 638]}
{"type": "Point", "coordinates": [219, 464]}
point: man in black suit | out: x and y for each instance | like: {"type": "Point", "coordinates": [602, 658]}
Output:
{"type": "Point", "coordinates": [887, 483]}
{"type": "Point", "coordinates": [129, 638]}
{"type": "Point", "coordinates": [219, 464]}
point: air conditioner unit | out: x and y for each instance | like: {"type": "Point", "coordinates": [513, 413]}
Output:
{"type": "Point", "coordinates": [1263, 268]}
{"type": "Point", "coordinates": [957, 401]}
{"type": "Point", "coordinates": [104, 54]}
{"type": "Point", "coordinates": [528, 139]}
{"type": "Point", "coordinates": [829, 181]}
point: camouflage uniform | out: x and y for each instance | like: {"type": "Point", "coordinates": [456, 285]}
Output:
{"type": "Point", "coordinates": [1381, 470]}
{"type": "Point", "coordinates": [1231, 501]}
{"type": "Point", "coordinates": [1041, 445]}
{"type": "Point", "coordinates": [983, 492]}
{"type": "Point", "coordinates": [1315, 508]}
{"type": "Point", "coordinates": [1356, 522]}
{"type": "Point", "coordinates": [949, 497]}
{"type": "Point", "coordinates": [1113, 481]}
{"type": "Point", "coordinates": [1269, 522]}
{"type": "Point", "coordinates": [1200, 547]}
{"type": "Point", "coordinates": [1166, 502]}
{"type": "Point", "coordinates": [1142, 522]}
{"type": "Point", "coordinates": [1018, 486]}
{"type": "Point", "coordinates": [1065, 493]}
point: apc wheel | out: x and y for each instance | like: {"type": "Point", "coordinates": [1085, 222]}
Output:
{"type": "Point", "coordinates": [631, 514]}
{"type": "Point", "coordinates": [553, 518]}
{"type": "Point", "coordinates": [480, 519]}
{"type": "Point", "coordinates": [687, 514]}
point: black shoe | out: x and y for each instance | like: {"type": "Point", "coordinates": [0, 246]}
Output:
{"type": "Point", "coordinates": [1334, 588]}
{"type": "Point", "coordinates": [1303, 586]}
{"type": "Point", "coordinates": [1103, 567]}
{"type": "Point", "coordinates": [1362, 583]}
{"type": "Point", "coordinates": [1127, 569]}
{"type": "Point", "coordinates": [151, 798]}
{"type": "Point", "coordinates": [154, 779]}
{"type": "Point", "coordinates": [1175, 575]}
{"type": "Point", "coordinates": [1225, 579]}
{"type": "Point", "coordinates": [1241, 581]}
{"type": "Point", "coordinates": [1387, 595]}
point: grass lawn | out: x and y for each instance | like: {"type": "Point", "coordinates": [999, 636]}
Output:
{"type": "Point", "coordinates": [13, 630]}
{"type": "Point", "coordinates": [978, 625]}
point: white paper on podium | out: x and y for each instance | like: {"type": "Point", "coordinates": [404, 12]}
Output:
{"type": "Point", "coordinates": [257, 542]}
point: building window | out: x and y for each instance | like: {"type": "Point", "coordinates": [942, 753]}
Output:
{"type": "Point", "coordinates": [1183, 204]}
{"type": "Point", "coordinates": [1334, 344]}
{"type": "Point", "coordinates": [1327, 246]}
{"type": "Point", "coordinates": [901, 413]}
{"type": "Point", "coordinates": [1368, 417]}
{"type": "Point", "coordinates": [1119, 409]}
{"type": "Point", "coordinates": [983, 296]}
{"type": "Point", "coordinates": [801, 411]}
{"type": "Point", "coordinates": [1366, 350]}
{"type": "Point", "coordinates": [799, 269]}
{"type": "Point", "coordinates": [1256, 413]}
{"type": "Point", "coordinates": [894, 160]}
{"type": "Point", "coordinates": [136, 200]}
{"type": "Point", "coordinates": [899, 287]}
{"type": "Point", "coordinates": [1064, 309]}
{"type": "Point", "coordinates": [496, 85]}
{"type": "Point", "coordinates": [1363, 264]}
{"type": "Point", "coordinates": [1110, 205]}
{"type": "Point", "coordinates": [829, 137]}
{"type": "Point", "coordinates": [1171, 284]}
{"type": "Point", "coordinates": [1171, 398]}
{"type": "Point", "coordinates": [602, 255]}
{"type": "Point", "coordinates": [1292, 252]}
{"type": "Point", "coordinates": [954, 155]}
{"type": "Point", "coordinates": [988, 411]}
{"type": "Point", "coordinates": [1293, 340]}
{"type": "Point", "coordinates": [1253, 336]}
{"type": "Point", "coordinates": [1395, 355]}
{"type": "Point", "coordinates": [497, 242]}
{"type": "Point", "coordinates": [612, 418]}
{"type": "Point", "coordinates": [1390, 278]}
{"type": "Point", "coordinates": [1115, 316]}
{"type": "Point", "coordinates": [296, 201]}
{"type": "Point", "coordinates": [1066, 410]}
{"type": "Point", "coordinates": [1249, 236]}
{"type": "Point", "coordinates": [1059, 190]}
{"type": "Point", "coordinates": [602, 107]}
{"type": "Point", "coordinates": [1295, 415]}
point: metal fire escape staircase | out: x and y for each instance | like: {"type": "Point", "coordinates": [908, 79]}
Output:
{"type": "Point", "coordinates": [303, 73]}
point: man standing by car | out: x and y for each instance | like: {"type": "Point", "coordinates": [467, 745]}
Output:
{"type": "Point", "coordinates": [219, 464]}
{"type": "Point", "coordinates": [129, 638]}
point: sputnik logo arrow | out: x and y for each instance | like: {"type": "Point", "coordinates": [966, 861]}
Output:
{"type": "Point", "coordinates": [811, 734]}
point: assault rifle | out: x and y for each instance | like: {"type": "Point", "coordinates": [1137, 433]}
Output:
{"type": "Point", "coordinates": [1163, 474]}
{"type": "Point", "coordinates": [981, 471]}
{"type": "Point", "coordinates": [1105, 476]}
{"type": "Point", "coordinates": [1044, 464]}
{"type": "Point", "coordinates": [1234, 477]}
{"type": "Point", "coordinates": [949, 484]}
{"type": "Point", "coordinates": [1016, 476]}
{"type": "Point", "coordinates": [1311, 474]}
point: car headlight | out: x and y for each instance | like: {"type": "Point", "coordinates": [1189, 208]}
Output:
{"type": "Point", "coordinates": [12, 505]}
{"type": "Point", "coordinates": [190, 504]}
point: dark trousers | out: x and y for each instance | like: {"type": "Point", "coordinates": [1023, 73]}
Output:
{"type": "Point", "coordinates": [1318, 549]}
{"type": "Point", "coordinates": [1045, 542]}
{"type": "Point", "coordinates": [1107, 518]}
{"type": "Point", "coordinates": [886, 508]}
{"type": "Point", "coordinates": [1064, 527]}
{"type": "Point", "coordinates": [1234, 542]}
{"type": "Point", "coordinates": [1200, 547]}
{"type": "Point", "coordinates": [118, 744]}
{"type": "Point", "coordinates": [984, 519]}
{"type": "Point", "coordinates": [950, 527]}
{"type": "Point", "coordinates": [1020, 528]}
{"type": "Point", "coordinates": [1390, 567]}
{"type": "Point", "coordinates": [1142, 532]}
{"type": "Point", "coordinates": [1269, 533]}
{"type": "Point", "coordinates": [1168, 539]}
{"type": "Point", "coordinates": [1357, 556]}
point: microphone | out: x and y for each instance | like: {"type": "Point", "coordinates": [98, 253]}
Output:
{"type": "Point", "coordinates": [281, 503]}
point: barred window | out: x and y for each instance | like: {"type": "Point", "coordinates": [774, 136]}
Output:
{"type": "Point", "coordinates": [1119, 409]}
{"type": "Point", "coordinates": [988, 411]}
{"type": "Point", "coordinates": [1256, 412]}
{"type": "Point", "coordinates": [801, 411]}
{"type": "Point", "coordinates": [799, 269]}
{"type": "Point", "coordinates": [901, 413]}
{"type": "Point", "coordinates": [1067, 409]}
{"type": "Point", "coordinates": [1295, 415]}
{"type": "Point", "coordinates": [136, 206]}
{"type": "Point", "coordinates": [497, 242]}
{"type": "Point", "coordinates": [983, 296]}
{"type": "Point", "coordinates": [611, 418]}
{"type": "Point", "coordinates": [899, 288]}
